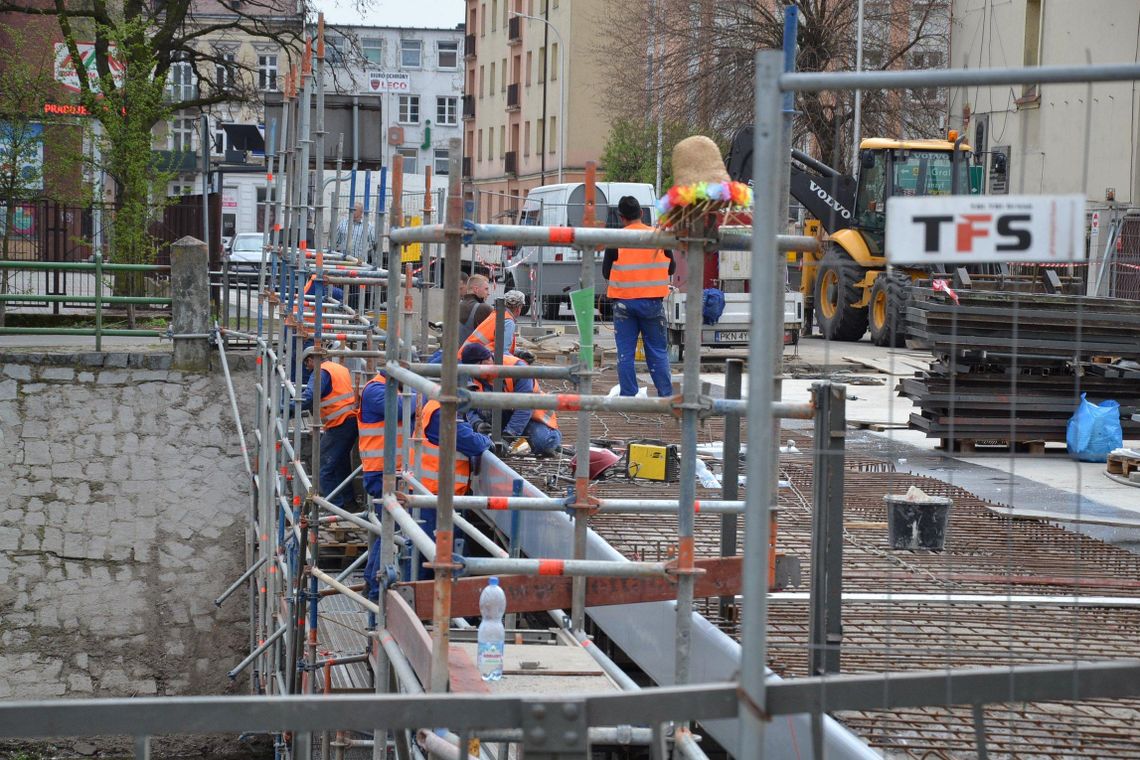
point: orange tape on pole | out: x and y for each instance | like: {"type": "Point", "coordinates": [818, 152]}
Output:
{"type": "Point", "coordinates": [551, 566]}
{"type": "Point", "coordinates": [569, 402]}
{"type": "Point", "coordinates": [696, 506]}
{"type": "Point", "coordinates": [496, 502]}
{"type": "Point", "coordinates": [564, 235]}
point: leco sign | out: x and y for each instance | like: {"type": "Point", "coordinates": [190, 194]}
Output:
{"type": "Point", "coordinates": [973, 229]}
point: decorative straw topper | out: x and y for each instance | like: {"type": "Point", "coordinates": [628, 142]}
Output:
{"type": "Point", "coordinates": [702, 184]}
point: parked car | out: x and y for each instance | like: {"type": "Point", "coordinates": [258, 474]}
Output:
{"type": "Point", "coordinates": [244, 256]}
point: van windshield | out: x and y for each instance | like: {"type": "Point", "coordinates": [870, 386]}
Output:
{"type": "Point", "coordinates": [615, 222]}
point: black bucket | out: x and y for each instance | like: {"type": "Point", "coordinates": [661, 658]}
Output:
{"type": "Point", "coordinates": [915, 525]}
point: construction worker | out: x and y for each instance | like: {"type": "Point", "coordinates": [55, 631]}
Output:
{"type": "Point", "coordinates": [469, 446]}
{"type": "Point", "coordinates": [638, 283]}
{"type": "Point", "coordinates": [338, 419]}
{"type": "Point", "coordinates": [484, 333]}
{"type": "Point", "coordinates": [371, 444]}
{"type": "Point", "coordinates": [538, 427]}
{"type": "Point", "coordinates": [355, 237]}
{"type": "Point", "coordinates": [473, 308]}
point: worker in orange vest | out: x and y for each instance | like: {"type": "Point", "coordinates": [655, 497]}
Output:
{"type": "Point", "coordinates": [337, 411]}
{"type": "Point", "coordinates": [484, 334]}
{"type": "Point", "coordinates": [638, 283]}
{"type": "Point", "coordinates": [469, 446]}
{"type": "Point", "coordinates": [372, 438]}
{"type": "Point", "coordinates": [537, 427]}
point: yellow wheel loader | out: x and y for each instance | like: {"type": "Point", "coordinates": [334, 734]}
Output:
{"type": "Point", "coordinates": [846, 285]}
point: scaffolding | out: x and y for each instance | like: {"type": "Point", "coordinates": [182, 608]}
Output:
{"type": "Point", "coordinates": [735, 701]}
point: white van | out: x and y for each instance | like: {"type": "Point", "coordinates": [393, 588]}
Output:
{"type": "Point", "coordinates": [546, 274]}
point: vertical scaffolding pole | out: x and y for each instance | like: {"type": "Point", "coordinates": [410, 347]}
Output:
{"type": "Point", "coordinates": [500, 349]}
{"type": "Point", "coordinates": [585, 387]}
{"type": "Point", "coordinates": [825, 625]}
{"type": "Point", "coordinates": [427, 277]}
{"type": "Point", "coordinates": [761, 461]}
{"type": "Point", "coordinates": [730, 485]}
{"type": "Point", "coordinates": [690, 408]}
{"type": "Point", "coordinates": [443, 566]}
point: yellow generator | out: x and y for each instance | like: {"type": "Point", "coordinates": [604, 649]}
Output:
{"type": "Point", "coordinates": [653, 460]}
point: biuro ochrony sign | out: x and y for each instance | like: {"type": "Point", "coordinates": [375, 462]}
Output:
{"type": "Point", "coordinates": [970, 229]}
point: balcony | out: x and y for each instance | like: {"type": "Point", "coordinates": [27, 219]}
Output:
{"type": "Point", "coordinates": [466, 167]}
{"type": "Point", "coordinates": [513, 97]}
{"type": "Point", "coordinates": [511, 162]}
{"type": "Point", "coordinates": [469, 46]}
{"type": "Point", "coordinates": [514, 31]}
{"type": "Point", "coordinates": [468, 106]}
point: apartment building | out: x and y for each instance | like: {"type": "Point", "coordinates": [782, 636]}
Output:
{"type": "Point", "coordinates": [1037, 139]}
{"type": "Point", "coordinates": [531, 108]}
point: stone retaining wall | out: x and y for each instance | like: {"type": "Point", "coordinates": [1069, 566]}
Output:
{"type": "Point", "coordinates": [122, 516]}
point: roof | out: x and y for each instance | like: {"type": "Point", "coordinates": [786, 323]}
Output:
{"type": "Point", "coordinates": [883, 143]}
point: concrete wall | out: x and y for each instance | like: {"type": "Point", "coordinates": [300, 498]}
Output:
{"type": "Point", "coordinates": [122, 516]}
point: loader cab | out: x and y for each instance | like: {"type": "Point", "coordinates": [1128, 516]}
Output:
{"type": "Point", "coordinates": [892, 168]}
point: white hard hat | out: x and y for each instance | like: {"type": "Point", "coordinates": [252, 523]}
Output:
{"type": "Point", "coordinates": [514, 297]}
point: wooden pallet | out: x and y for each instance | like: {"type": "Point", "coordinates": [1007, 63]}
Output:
{"type": "Point", "coordinates": [985, 445]}
{"type": "Point", "coordinates": [1122, 464]}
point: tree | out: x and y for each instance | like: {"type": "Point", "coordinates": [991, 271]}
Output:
{"type": "Point", "coordinates": [124, 54]}
{"type": "Point", "coordinates": [696, 59]}
{"type": "Point", "coordinates": [630, 153]}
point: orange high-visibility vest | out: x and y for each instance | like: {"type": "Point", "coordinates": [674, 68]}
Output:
{"type": "Point", "coordinates": [371, 441]}
{"type": "Point", "coordinates": [485, 334]}
{"type": "Point", "coordinates": [429, 456]}
{"type": "Point", "coordinates": [545, 416]}
{"type": "Point", "coordinates": [340, 404]}
{"type": "Point", "coordinates": [639, 272]}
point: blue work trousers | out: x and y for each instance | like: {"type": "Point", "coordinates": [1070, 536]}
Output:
{"type": "Point", "coordinates": [544, 440]}
{"type": "Point", "coordinates": [336, 461]}
{"type": "Point", "coordinates": [644, 317]}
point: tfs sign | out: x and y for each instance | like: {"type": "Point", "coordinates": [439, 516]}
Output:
{"type": "Point", "coordinates": [972, 229]}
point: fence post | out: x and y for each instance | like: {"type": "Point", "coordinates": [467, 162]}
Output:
{"type": "Point", "coordinates": [190, 303]}
{"type": "Point", "coordinates": [98, 300]}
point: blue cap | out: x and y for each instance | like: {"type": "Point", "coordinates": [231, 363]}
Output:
{"type": "Point", "coordinates": [493, 581]}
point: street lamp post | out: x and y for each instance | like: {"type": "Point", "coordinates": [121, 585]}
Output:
{"type": "Point", "coordinates": [561, 87]}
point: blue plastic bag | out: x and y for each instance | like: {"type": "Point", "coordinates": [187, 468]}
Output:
{"type": "Point", "coordinates": [1094, 431]}
{"type": "Point", "coordinates": [712, 306]}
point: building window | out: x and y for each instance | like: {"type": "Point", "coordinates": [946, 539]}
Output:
{"type": "Point", "coordinates": [182, 134]}
{"type": "Point", "coordinates": [540, 136]}
{"type": "Point", "coordinates": [410, 51]}
{"type": "Point", "coordinates": [442, 159]}
{"type": "Point", "coordinates": [483, 21]}
{"type": "Point", "coordinates": [495, 14]}
{"type": "Point", "coordinates": [267, 72]}
{"type": "Point", "coordinates": [409, 109]}
{"type": "Point", "coordinates": [482, 80]}
{"type": "Point", "coordinates": [554, 61]}
{"type": "Point", "coordinates": [336, 48]}
{"type": "Point", "coordinates": [448, 55]}
{"type": "Point", "coordinates": [218, 146]}
{"type": "Point", "coordinates": [526, 138]}
{"type": "Point", "coordinates": [411, 156]}
{"type": "Point", "coordinates": [447, 111]}
{"type": "Point", "coordinates": [182, 78]}
{"type": "Point", "coordinates": [529, 65]}
{"type": "Point", "coordinates": [224, 72]}
{"type": "Point", "coordinates": [373, 49]}
{"type": "Point", "coordinates": [180, 188]}
{"type": "Point", "coordinates": [553, 133]}
{"type": "Point", "coordinates": [490, 143]}
{"type": "Point", "coordinates": [480, 154]}
{"type": "Point", "coordinates": [491, 89]}
{"type": "Point", "coordinates": [503, 78]}
{"type": "Point", "coordinates": [542, 64]}
{"type": "Point", "coordinates": [502, 140]}
{"type": "Point", "coordinates": [926, 59]}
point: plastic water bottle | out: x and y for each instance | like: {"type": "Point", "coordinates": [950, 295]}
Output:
{"type": "Point", "coordinates": [492, 636]}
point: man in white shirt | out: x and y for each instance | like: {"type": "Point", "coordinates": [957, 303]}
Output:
{"type": "Point", "coordinates": [350, 236]}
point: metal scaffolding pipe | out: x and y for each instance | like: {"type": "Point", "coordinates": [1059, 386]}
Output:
{"type": "Point", "coordinates": [590, 237]}
{"type": "Point", "coordinates": [237, 584]}
{"type": "Point", "coordinates": [587, 568]}
{"type": "Point", "coordinates": [529, 503]}
{"type": "Point", "coordinates": [412, 380]}
{"type": "Point", "coordinates": [412, 529]}
{"type": "Point", "coordinates": [437, 746]}
{"type": "Point", "coordinates": [332, 582]}
{"type": "Point", "coordinates": [355, 519]}
{"type": "Point", "coordinates": [405, 673]}
{"type": "Point", "coordinates": [492, 372]}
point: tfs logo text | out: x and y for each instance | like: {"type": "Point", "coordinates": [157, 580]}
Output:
{"type": "Point", "coordinates": [1008, 230]}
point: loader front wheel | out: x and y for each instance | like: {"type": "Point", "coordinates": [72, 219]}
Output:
{"type": "Point", "coordinates": [836, 292]}
{"type": "Point", "coordinates": [889, 297]}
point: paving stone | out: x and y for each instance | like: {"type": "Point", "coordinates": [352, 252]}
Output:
{"type": "Point", "coordinates": [116, 359]}
{"type": "Point", "coordinates": [91, 359]}
{"type": "Point", "coordinates": [34, 429]}
{"type": "Point", "coordinates": [18, 371]}
{"type": "Point", "coordinates": [8, 390]}
{"type": "Point", "coordinates": [37, 453]}
{"type": "Point", "coordinates": [65, 374]}
{"type": "Point", "coordinates": [85, 377]}
{"type": "Point", "coordinates": [112, 377]}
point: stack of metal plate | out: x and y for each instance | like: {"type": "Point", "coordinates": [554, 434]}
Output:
{"type": "Point", "coordinates": [1011, 367]}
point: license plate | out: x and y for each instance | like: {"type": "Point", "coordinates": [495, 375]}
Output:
{"type": "Point", "coordinates": [731, 336]}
